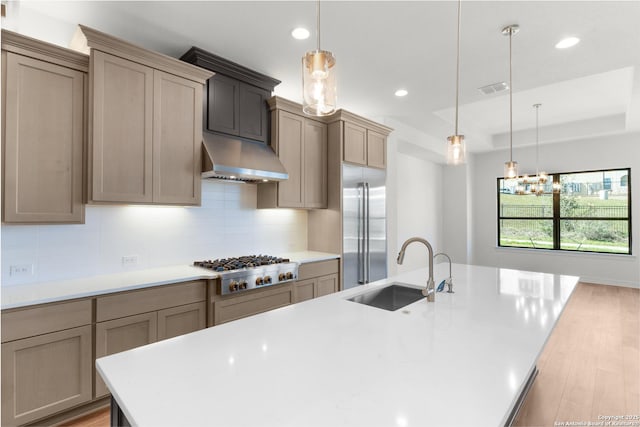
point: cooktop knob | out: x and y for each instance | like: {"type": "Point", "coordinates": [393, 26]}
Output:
{"type": "Point", "coordinates": [233, 286]}
{"type": "Point", "coordinates": [259, 281]}
{"type": "Point", "coordinates": [267, 279]}
{"type": "Point", "coordinates": [289, 275]}
{"type": "Point", "coordinates": [281, 276]}
{"type": "Point", "coordinates": [243, 284]}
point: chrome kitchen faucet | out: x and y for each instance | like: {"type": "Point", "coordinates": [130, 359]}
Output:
{"type": "Point", "coordinates": [429, 291]}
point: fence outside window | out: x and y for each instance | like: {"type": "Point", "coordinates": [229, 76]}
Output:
{"type": "Point", "coordinates": [590, 213]}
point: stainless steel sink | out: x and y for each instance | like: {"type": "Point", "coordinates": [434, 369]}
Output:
{"type": "Point", "coordinates": [391, 297]}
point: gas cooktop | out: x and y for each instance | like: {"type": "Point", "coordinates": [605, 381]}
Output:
{"type": "Point", "coordinates": [249, 261]}
{"type": "Point", "coordinates": [250, 272]}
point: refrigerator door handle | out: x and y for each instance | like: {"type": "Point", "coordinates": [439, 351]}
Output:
{"type": "Point", "coordinates": [361, 231]}
{"type": "Point", "coordinates": [367, 236]}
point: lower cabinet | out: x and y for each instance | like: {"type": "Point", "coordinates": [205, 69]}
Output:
{"type": "Point", "coordinates": [316, 279]}
{"type": "Point", "coordinates": [45, 374]}
{"type": "Point", "coordinates": [123, 334]}
{"type": "Point", "coordinates": [177, 321]}
{"type": "Point", "coordinates": [150, 315]}
{"type": "Point", "coordinates": [228, 308]}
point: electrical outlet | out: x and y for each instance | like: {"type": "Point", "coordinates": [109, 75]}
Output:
{"type": "Point", "coordinates": [130, 260]}
{"type": "Point", "coordinates": [20, 270]}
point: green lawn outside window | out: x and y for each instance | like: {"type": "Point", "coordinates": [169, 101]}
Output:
{"type": "Point", "coordinates": [590, 213]}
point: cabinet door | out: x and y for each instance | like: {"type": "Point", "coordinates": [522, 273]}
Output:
{"type": "Point", "coordinates": [43, 143]}
{"type": "Point", "coordinates": [355, 144]}
{"type": "Point", "coordinates": [291, 153]}
{"type": "Point", "coordinates": [176, 321]}
{"type": "Point", "coordinates": [121, 141]}
{"type": "Point", "coordinates": [177, 139]}
{"type": "Point", "coordinates": [223, 105]}
{"type": "Point", "coordinates": [253, 112]}
{"type": "Point", "coordinates": [326, 285]}
{"type": "Point", "coordinates": [45, 374]}
{"type": "Point", "coordinates": [315, 164]}
{"type": "Point", "coordinates": [303, 290]}
{"type": "Point", "coordinates": [237, 307]}
{"type": "Point", "coordinates": [376, 150]}
{"type": "Point", "coordinates": [123, 334]}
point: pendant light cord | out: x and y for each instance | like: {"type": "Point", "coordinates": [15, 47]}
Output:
{"type": "Point", "coordinates": [537, 139]}
{"type": "Point", "coordinates": [510, 101]}
{"type": "Point", "coordinates": [458, 65]}
{"type": "Point", "coordinates": [318, 24]}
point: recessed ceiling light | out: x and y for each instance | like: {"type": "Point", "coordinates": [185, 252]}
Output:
{"type": "Point", "coordinates": [401, 92]}
{"type": "Point", "coordinates": [568, 42]}
{"type": "Point", "coordinates": [300, 33]}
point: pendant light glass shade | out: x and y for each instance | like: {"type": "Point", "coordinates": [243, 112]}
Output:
{"type": "Point", "coordinates": [455, 143]}
{"type": "Point", "coordinates": [319, 83]}
{"type": "Point", "coordinates": [318, 79]}
{"type": "Point", "coordinates": [456, 150]}
{"type": "Point", "coordinates": [511, 170]}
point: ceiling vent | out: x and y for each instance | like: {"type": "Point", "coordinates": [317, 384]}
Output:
{"type": "Point", "coordinates": [494, 88]}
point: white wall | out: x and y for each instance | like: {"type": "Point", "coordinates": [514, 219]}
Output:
{"type": "Point", "coordinates": [454, 202]}
{"type": "Point", "coordinates": [418, 209]}
{"type": "Point", "coordinates": [414, 194]}
{"type": "Point", "coordinates": [227, 224]}
{"type": "Point", "coordinates": [597, 153]}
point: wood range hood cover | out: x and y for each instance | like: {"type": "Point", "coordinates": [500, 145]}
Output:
{"type": "Point", "coordinates": [236, 95]}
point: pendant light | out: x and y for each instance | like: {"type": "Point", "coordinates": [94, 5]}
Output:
{"type": "Point", "coordinates": [318, 78]}
{"type": "Point", "coordinates": [510, 167]}
{"type": "Point", "coordinates": [541, 177]}
{"type": "Point", "coordinates": [455, 143]}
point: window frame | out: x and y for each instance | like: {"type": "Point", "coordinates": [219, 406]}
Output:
{"type": "Point", "coordinates": [557, 218]}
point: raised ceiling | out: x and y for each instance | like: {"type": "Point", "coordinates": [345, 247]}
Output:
{"type": "Point", "coordinates": [590, 89]}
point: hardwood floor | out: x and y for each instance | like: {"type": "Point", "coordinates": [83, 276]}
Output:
{"type": "Point", "coordinates": [98, 418]}
{"type": "Point", "coordinates": [590, 366]}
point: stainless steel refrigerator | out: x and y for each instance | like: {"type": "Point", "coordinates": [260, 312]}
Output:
{"type": "Point", "coordinates": [364, 225]}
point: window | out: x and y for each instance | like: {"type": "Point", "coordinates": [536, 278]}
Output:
{"type": "Point", "coordinates": [590, 212]}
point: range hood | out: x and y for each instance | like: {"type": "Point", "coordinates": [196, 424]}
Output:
{"type": "Point", "coordinates": [233, 158]}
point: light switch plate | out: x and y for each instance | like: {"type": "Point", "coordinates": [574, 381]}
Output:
{"type": "Point", "coordinates": [20, 270]}
{"type": "Point", "coordinates": [130, 260]}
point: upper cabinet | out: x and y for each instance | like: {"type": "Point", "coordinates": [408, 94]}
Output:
{"type": "Point", "coordinates": [364, 142]}
{"type": "Point", "coordinates": [301, 145]}
{"type": "Point", "coordinates": [146, 121]}
{"type": "Point", "coordinates": [236, 96]}
{"type": "Point", "coordinates": [43, 131]}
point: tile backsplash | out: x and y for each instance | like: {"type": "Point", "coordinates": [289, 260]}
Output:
{"type": "Point", "coordinates": [227, 224]}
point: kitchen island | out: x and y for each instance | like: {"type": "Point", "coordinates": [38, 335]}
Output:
{"type": "Point", "coordinates": [464, 360]}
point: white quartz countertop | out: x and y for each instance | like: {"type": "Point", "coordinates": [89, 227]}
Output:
{"type": "Point", "coordinates": [43, 292]}
{"type": "Point", "coordinates": [460, 361]}
{"type": "Point", "coordinates": [309, 256]}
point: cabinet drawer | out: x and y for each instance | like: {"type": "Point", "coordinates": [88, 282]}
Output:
{"type": "Point", "coordinates": [146, 300]}
{"type": "Point", "coordinates": [45, 374]}
{"type": "Point", "coordinates": [257, 302]}
{"type": "Point", "coordinates": [315, 269]}
{"type": "Point", "coordinates": [29, 322]}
